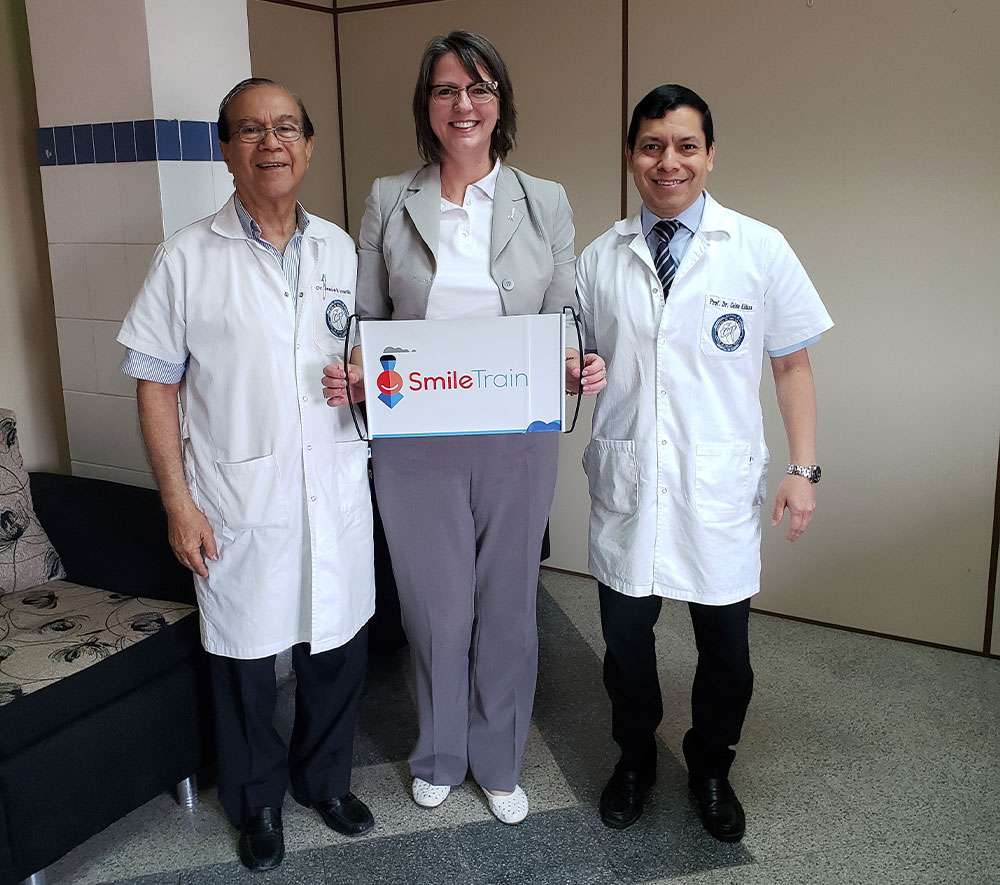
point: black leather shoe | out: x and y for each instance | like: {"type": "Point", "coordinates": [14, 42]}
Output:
{"type": "Point", "coordinates": [718, 807]}
{"type": "Point", "coordinates": [262, 840]}
{"type": "Point", "coordinates": [348, 815]}
{"type": "Point", "coordinates": [622, 798]}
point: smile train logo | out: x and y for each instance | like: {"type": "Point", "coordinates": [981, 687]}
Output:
{"type": "Point", "coordinates": [389, 381]}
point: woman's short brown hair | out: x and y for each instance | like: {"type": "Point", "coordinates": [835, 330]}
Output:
{"type": "Point", "coordinates": [471, 50]}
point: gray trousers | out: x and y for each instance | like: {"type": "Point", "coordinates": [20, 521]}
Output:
{"type": "Point", "coordinates": [464, 517]}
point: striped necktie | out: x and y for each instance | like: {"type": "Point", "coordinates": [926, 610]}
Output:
{"type": "Point", "coordinates": [663, 260]}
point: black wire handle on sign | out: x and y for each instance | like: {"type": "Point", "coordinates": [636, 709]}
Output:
{"type": "Point", "coordinates": [353, 318]}
{"type": "Point", "coordinates": [579, 390]}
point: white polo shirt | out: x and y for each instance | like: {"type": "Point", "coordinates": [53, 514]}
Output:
{"type": "Point", "coordinates": [463, 285]}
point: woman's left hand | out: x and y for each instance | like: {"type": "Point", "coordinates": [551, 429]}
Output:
{"type": "Point", "coordinates": [594, 378]}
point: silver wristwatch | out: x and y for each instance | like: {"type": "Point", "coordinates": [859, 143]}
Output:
{"type": "Point", "coordinates": [812, 473]}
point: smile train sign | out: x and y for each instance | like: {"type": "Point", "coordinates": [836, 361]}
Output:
{"type": "Point", "coordinates": [464, 376]}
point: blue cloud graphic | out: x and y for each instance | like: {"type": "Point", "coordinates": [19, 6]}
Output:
{"type": "Point", "coordinates": [541, 426]}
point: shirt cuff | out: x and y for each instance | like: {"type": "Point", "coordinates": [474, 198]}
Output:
{"type": "Point", "coordinates": [144, 367]}
{"type": "Point", "coordinates": [784, 351]}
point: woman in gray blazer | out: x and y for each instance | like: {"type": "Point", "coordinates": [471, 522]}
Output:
{"type": "Point", "coordinates": [466, 235]}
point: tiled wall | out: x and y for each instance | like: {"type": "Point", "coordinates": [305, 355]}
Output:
{"type": "Point", "coordinates": [128, 155]}
{"type": "Point", "coordinates": [112, 192]}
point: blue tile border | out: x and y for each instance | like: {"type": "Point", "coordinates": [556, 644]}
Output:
{"type": "Point", "coordinates": [104, 142]}
{"type": "Point", "coordinates": [216, 150]}
{"type": "Point", "coordinates": [168, 140]}
{"type": "Point", "coordinates": [145, 140]}
{"type": "Point", "coordinates": [128, 141]}
{"type": "Point", "coordinates": [196, 140]}
{"type": "Point", "coordinates": [46, 147]}
{"type": "Point", "coordinates": [65, 151]}
{"type": "Point", "coordinates": [83, 141]}
{"type": "Point", "coordinates": [124, 142]}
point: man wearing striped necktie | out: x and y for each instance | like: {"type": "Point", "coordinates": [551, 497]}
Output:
{"type": "Point", "coordinates": [682, 301]}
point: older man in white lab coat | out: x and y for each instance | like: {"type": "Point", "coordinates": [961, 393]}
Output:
{"type": "Point", "coordinates": [682, 300]}
{"type": "Point", "coordinates": [264, 486]}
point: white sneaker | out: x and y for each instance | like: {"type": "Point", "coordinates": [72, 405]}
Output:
{"type": "Point", "coordinates": [429, 795]}
{"type": "Point", "coordinates": [510, 809]}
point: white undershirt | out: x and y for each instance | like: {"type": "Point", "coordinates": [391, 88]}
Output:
{"type": "Point", "coordinates": [463, 286]}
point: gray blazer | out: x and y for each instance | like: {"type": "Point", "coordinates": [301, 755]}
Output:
{"type": "Point", "coordinates": [531, 251]}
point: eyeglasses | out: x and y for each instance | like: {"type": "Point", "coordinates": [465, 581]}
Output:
{"type": "Point", "coordinates": [253, 133]}
{"type": "Point", "coordinates": [479, 93]}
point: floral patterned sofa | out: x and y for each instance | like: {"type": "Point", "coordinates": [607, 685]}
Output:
{"type": "Point", "coordinates": [103, 688]}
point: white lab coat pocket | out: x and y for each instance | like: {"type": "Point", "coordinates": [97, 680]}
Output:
{"type": "Point", "coordinates": [722, 480]}
{"type": "Point", "coordinates": [726, 327]}
{"type": "Point", "coordinates": [351, 470]}
{"type": "Point", "coordinates": [612, 474]}
{"type": "Point", "coordinates": [249, 494]}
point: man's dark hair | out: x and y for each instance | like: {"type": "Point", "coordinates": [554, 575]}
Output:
{"type": "Point", "coordinates": [471, 50]}
{"type": "Point", "coordinates": [224, 132]}
{"type": "Point", "coordinates": [657, 103]}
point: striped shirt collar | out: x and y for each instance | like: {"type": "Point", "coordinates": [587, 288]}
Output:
{"type": "Point", "coordinates": [288, 260]}
{"type": "Point", "coordinates": [252, 229]}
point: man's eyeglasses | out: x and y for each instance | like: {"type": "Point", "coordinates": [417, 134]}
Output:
{"type": "Point", "coordinates": [254, 133]}
{"type": "Point", "coordinates": [479, 93]}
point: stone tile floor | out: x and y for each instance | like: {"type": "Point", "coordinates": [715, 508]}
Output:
{"type": "Point", "coordinates": [863, 760]}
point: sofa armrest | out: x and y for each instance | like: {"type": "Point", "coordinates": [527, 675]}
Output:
{"type": "Point", "coordinates": [111, 536]}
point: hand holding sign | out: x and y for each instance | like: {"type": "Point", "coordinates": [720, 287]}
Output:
{"type": "Point", "coordinates": [335, 384]}
{"type": "Point", "coordinates": [594, 378]}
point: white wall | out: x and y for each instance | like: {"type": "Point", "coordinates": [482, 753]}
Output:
{"type": "Point", "coordinates": [197, 52]}
{"type": "Point", "coordinates": [29, 358]}
{"type": "Point", "coordinates": [555, 140]}
{"type": "Point", "coordinates": [866, 132]}
{"type": "Point", "coordinates": [99, 49]}
{"type": "Point", "coordinates": [311, 73]}
{"type": "Point", "coordinates": [125, 62]}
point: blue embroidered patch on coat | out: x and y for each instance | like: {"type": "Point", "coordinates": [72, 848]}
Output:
{"type": "Point", "coordinates": [728, 332]}
{"type": "Point", "coordinates": [337, 317]}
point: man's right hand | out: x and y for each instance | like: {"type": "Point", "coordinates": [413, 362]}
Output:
{"type": "Point", "coordinates": [335, 381]}
{"type": "Point", "coordinates": [191, 538]}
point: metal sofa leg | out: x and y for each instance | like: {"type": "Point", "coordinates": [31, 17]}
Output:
{"type": "Point", "coordinates": [35, 879]}
{"type": "Point", "coordinates": [187, 795]}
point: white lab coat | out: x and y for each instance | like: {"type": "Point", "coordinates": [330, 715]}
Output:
{"type": "Point", "coordinates": [281, 477]}
{"type": "Point", "coordinates": [677, 460]}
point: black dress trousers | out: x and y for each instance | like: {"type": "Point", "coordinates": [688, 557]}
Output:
{"type": "Point", "coordinates": [723, 681]}
{"type": "Point", "coordinates": [254, 765]}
